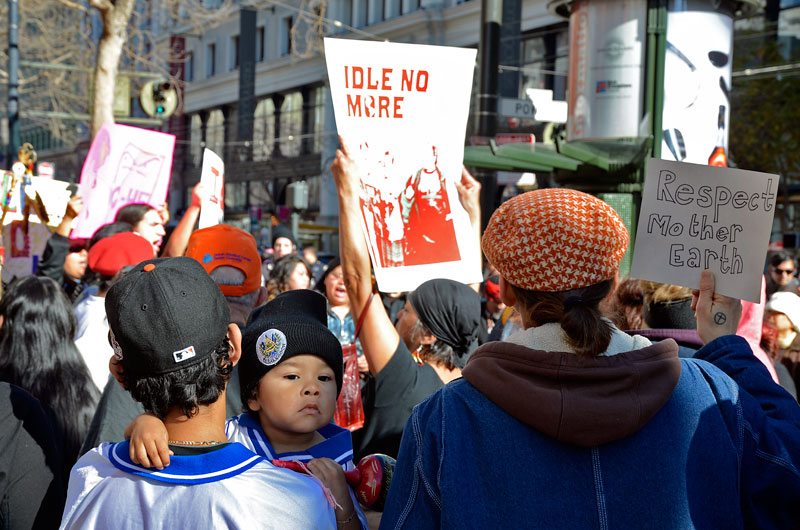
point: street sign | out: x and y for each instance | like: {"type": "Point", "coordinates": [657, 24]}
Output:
{"type": "Point", "coordinates": [46, 169]}
{"type": "Point", "coordinates": [517, 108]}
{"type": "Point", "coordinates": [514, 138]}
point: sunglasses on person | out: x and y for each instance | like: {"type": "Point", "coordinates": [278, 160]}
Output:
{"type": "Point", "coordinates": [785, 271]}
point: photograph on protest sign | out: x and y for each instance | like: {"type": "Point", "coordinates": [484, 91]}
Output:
{"type": "Point", "coordinates": [125, 165]}
{"type": "Point", "coordinates": [696, 217]}
{"type": "Point", "coordinates": [212, 178]}
{"type": "Point", "coordinates": [402, 110]}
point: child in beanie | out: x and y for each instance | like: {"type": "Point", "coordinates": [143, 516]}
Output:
{"type": "Point", "coordinates": [290, 374]}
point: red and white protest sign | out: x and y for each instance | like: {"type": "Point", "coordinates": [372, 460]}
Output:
{"type": "Point", "coordinates": [402, 109]}
{"type": "Point", "coordinates": [212, 178]}
{"type": "Point", "coordinates": [125, 165]}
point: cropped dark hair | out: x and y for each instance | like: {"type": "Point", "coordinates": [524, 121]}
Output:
{"type": "Point", "coordinates": [779, 257]}
{"type": "Point", "coordinates": [187, 389]}
{"type": "Point", "coordinates": [247, 391]}
{"type": "Point", "coordinates": [108, 230]}
{"type": "Point", "coordinates": [37, 353]}
{"type": "Point", "coordinates": [586, 330]}
{"type": "Point", "coordinates": [132, 213]}
{"type": "Point", "coordinates": [284, 267]}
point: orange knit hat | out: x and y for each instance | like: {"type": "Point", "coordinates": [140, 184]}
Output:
{"type": "Point", "coordinates": [555, 240]}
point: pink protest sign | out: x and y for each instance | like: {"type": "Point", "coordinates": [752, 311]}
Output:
{"type": "Point", "coordinates": [125, 165]}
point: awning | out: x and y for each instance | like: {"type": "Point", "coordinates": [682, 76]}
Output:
{"type": "Point", "coordinates": [575, 161]}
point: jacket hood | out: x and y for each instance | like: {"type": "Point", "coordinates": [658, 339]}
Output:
{"type": "Point", "coordinates": [585, 401]}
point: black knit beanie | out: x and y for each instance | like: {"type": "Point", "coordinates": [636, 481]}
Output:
{"type": "Point", "coordinates": [293, 323]}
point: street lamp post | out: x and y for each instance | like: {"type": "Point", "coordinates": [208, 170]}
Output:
{"type": "Point", "coordinates": [13, 80]}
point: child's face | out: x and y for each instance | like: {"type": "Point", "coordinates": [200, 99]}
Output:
{"type": "Point", "coordinates": [297, 397]}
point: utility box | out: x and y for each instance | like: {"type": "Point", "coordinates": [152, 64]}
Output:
{"type": "Point", "coordinates": [297, 195]}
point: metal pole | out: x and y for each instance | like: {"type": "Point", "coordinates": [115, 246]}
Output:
{"type": "Point", "coordinates": [13, 81]}
{"type": "Point", "coordinates": [489, 55]}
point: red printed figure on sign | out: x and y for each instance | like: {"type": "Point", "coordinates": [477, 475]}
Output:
{"type": "Point", "coordinates": [427, 219]}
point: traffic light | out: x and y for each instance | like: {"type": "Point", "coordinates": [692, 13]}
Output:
{"type": "Point", "coordinates": [158, 99]}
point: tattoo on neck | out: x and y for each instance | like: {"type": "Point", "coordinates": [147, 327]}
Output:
{"type": "Point", "coordinates": [720, 318]}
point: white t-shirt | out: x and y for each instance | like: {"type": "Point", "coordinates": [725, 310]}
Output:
{"type": "Point", "coordinates": [227, 488]}
{"type": "Point", "coordinates": [337, 445]}
{"type": "Point", "coordinates": [92, 338]}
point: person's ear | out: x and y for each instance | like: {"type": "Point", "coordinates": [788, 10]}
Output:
{"type": "Point", "coordinates": [253, 404]}
{"type": "Point", "coordinates": [507, 293]}
{"type": "Point", "coordinates": [235, 338]}
{"type": "Point", "coordinates": [115, 367]}
{"type": "Point", "coordinates": [427, 339]}
{"type": "Point", "coordinates": [2, 321]}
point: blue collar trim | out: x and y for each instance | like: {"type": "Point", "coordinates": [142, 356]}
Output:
{"type": "Point", "coordinates": [213, 466]}
{"type": "Point", "coordinates": [338, 445]}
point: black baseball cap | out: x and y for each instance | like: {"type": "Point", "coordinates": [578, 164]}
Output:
{"type": "Point", "coordinates": [166, 314]}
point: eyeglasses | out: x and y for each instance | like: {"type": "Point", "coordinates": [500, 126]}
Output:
{"type": "Point", "coordinates": [785, 271]}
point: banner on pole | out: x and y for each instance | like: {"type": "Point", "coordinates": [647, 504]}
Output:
{"type": "Point", "coordinates": [402, 109]}
{"type": "Point", "coordinates": [125, 165]}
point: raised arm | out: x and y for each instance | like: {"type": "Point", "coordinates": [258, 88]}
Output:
{"type": "Point", "coordinates": [179, 239]}
{"type": "Point", "coordinates": [469, 193]}
{"type": "Point", "coordinates": [378, 337]}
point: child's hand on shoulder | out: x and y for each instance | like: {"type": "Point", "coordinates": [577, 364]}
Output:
{"type": "Point", "coordinates": [148, 446]}
{"type": "Point", "coordinates": [332, 475]}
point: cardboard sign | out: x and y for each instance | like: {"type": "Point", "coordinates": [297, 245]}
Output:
{"type": "Point", "coordinates": [697, 217]}
{"type": "Point", "coordinates": [402, 110]}
{"type": "Point", "coordinates": [212, 177]}
{"type": "Point", "coordinates": [23, 251]}
{"type": "Point", "coordinates": [55, 196]}
{"type": "Point", "coordinates": [125, 165]}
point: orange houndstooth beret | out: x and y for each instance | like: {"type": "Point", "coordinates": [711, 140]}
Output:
{"type": "Point", "coordinates": [555, 240]}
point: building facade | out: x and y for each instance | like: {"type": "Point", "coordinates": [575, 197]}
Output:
{"type": "Point", "coordinates": [269, 115]}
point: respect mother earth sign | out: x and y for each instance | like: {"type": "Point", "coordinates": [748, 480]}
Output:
{"type": "Point", "coordinates": [696, 217]}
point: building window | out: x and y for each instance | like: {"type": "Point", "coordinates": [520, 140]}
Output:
{"type": "Point", "coordinates": [545, 61]}
{"type": "Point", "coordinates": [409, 6]}
{"type": "Point", "coordinates": [188, 70]}
{"type": "Point", "coordinates": [236, 196]}
{"type": "Point", "coordinates": [291, 123]}
{"type": "Point", "coordinates": [215, 132]}
{"type": "Point", "coordinates": [259, 195]}
{"type": "Point", "coordinates": [286, 36]}
{"type": "Point", "coordinates": [260, 44]}
{"type": "Point", "coordinates": [375, 11]}
{"type": "Point", "coordinates": [391, 8]}
{"type": "Point", "coordinates": [347, 16]}
{"type": "Point", "coordinates": [263, 129]}
{"type": "Point", "coordinates": [211, 60]}
{"type": "Point", "coordinates": [195, 140]}
{"type": "Point", "coordinates": [233, 56]}
{"type": "Point", "coordinates": [317, 122]}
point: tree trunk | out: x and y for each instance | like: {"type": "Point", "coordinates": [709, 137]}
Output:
{"type": "Point", "coordinates": [115, 18]}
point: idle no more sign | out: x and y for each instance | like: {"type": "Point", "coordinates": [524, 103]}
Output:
{"type": "Point", "coordinates": [697, 217]}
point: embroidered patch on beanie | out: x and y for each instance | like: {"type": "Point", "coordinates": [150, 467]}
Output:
{"type": "Point", "coordinates": [270, 347]}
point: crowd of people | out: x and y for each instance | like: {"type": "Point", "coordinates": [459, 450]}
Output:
{"type": "Point", "coordinates": [186, 381]}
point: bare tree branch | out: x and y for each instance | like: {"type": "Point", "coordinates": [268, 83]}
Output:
{"type": "Point", "coordinates": [73, 5]}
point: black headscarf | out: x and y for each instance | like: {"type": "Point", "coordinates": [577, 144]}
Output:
{"type": "Point", "coordinates": [451, 311]}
